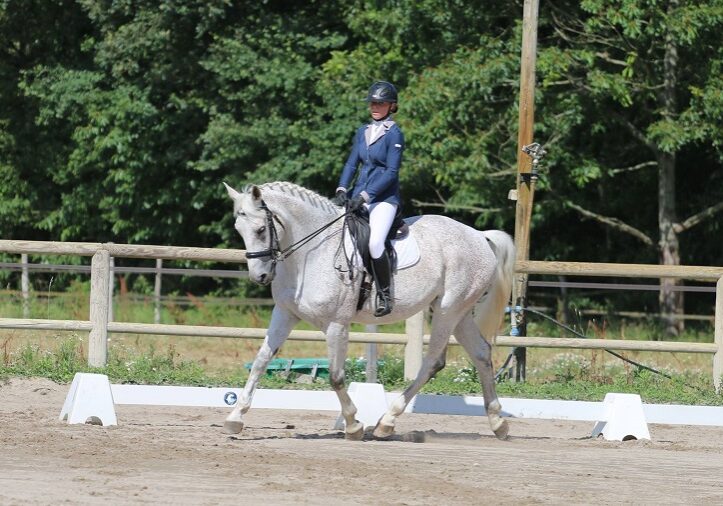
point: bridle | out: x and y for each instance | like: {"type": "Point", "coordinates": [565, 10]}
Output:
{"type": "Point", "coordinates": [274, 251]}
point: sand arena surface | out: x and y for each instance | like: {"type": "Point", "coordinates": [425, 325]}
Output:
{"type": "Point", "coordinates": [180, 456]}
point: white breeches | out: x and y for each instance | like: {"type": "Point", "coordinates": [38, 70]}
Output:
{"type": "Point", "coordinates": [381, 217]}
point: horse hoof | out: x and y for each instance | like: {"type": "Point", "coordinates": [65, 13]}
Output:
{"type": "Point", "coordinates": [502, 432]}
{"type": "Point", "coordinates": [353, 434]}
{"type": "Point", "coordinates": [232, 427]}
{"type": "Point", "coordinates": [383, 431]}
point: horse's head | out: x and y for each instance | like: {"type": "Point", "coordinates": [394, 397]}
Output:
{"type": "Point", "coordinates": [256, 225]}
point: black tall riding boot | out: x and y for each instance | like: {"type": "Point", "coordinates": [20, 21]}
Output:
{"type": "Point", "coordinates": [382, 276]}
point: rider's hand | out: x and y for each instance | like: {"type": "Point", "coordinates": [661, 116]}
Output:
{"type": "Point", "coordinates": [356, 203]}
{"type": "Point", "coordinates": [340, 199]}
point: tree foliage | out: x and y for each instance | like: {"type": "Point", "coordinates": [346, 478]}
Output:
{"type": "Point", "coordinates": [120, 119]}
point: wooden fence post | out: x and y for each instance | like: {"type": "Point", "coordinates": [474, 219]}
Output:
{"type": "Point", "coordinates": [718, 357]}
{"type": "Point", "coordinates": [111, 288]}
{"type": "Point", "coordinates": [99, 285]}
{"type": "Point", "coordinates": [157, 292]}
{"type": "Point", "coordinates": [414, 349]}
{"type": "Point", "coordinates": [25, 285]}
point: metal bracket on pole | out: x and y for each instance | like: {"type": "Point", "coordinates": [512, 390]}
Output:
{"type": "Point", "coordinates": [537, 152]}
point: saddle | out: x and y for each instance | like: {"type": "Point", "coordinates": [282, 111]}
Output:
{"type": "Point", "coordinates": [358, 226]}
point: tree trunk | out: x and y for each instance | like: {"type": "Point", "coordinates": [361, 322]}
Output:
{"type": "Point", "coordinates": [671, 302]}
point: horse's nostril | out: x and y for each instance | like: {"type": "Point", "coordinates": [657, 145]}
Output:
{"type": "Point", "coordinates": [262, 278]}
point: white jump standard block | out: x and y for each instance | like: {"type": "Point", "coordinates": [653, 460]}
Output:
{"type": "Point", "coordinates": [623, 418]}
{"type": "Point", "coordinates": [89, 400]}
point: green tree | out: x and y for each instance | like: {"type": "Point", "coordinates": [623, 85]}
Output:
{"type": "Point", "coordinates": [120, 119]}
{"type": "Point", "coordinates": [645, 77]}
{"type": "Point", "coordinates": [32, 33]}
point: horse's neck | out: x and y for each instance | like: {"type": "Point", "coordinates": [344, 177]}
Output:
{"type": "Point", "coordinates": [300, 217]}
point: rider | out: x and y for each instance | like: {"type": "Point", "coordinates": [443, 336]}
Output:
{"type": "Point", "coordinates": [378, 148]}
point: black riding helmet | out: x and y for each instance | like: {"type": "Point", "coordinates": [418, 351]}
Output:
{"type": "Point", "coordinates": [382, 91]}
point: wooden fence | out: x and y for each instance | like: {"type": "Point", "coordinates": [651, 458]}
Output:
{"type": "Point", "coordinates": [26, 268]}
{"type": "Point", "coordinates": [99, 325]}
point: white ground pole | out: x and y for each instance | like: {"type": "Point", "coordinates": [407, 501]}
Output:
{"type": "Point", "coordinates": [615, 412]}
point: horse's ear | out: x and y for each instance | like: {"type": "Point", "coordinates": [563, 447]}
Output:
{"type": "Point", "coordinates": [231, 192]}
{"type": "Point", "coordinates": [256, 192]}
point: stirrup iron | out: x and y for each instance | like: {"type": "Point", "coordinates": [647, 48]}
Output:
{"type": "Point", "coordinates": [384, 304]}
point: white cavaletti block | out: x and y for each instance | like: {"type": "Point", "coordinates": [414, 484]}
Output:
{"type": "Point", "coordinates": [89, 400]}
{"type": "Point", "coordinates": [623, 418]}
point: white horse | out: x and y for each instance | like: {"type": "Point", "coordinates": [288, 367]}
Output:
{"type": "Point", "coordinates": [459, 267]}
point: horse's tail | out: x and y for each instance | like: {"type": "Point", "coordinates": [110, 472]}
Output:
{"type": "Point", "coordinates": [490, 311]}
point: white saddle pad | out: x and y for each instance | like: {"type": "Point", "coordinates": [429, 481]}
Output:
{"type": "Point", "coordinates": [407, 251]}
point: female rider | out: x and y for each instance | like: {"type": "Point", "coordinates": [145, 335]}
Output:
{"type": "Point", "coordinates": [375, 158]}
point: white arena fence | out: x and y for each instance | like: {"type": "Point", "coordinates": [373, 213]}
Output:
{"type": "Point", "coordinates": [99, 324]}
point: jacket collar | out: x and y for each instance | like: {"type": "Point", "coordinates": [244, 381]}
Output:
{"type": "Point", "coordinates": [376, 130]}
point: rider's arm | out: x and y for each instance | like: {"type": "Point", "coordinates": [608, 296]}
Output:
{"type": "Point", "coordinates": [347, 173]}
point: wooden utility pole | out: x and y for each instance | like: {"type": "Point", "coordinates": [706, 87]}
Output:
{"type": "Point", "coordinates": [526, 176]}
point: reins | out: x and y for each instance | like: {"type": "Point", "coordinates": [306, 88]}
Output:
{"type": "Point", "coordinates": [285, 253]}
{"type": "Point", "coordinates": [274, 251]}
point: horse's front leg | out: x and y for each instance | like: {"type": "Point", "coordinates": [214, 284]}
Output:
{"type": "Point", "coordinates": [337, 341]}
{"type": "Point", "coordinates": [282, 321]}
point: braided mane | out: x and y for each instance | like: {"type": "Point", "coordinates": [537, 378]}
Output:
{"type": "Point", "coordinates": [300, 193]}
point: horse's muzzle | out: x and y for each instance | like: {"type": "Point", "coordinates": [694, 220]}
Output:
{"type": "Point", "coordinates": [264, 278]}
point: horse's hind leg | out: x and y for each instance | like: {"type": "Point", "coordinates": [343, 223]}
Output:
{"type": "Point", "coordinates": [433, 362]}
{"type": "Point", "coordinates": [479, 350]}
{"type": "Point", "coordinates": [337, 339]}
{"type": "Point", "coordinates": [280, 327]}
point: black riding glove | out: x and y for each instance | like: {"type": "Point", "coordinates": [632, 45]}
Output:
{"type": "Point", "coordinates": [356, 203]}
{"type": "Point", "coordinates": [340, 199]}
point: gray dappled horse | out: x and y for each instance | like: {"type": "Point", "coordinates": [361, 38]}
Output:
{"type": "Point", "coordinates": [459, 266]}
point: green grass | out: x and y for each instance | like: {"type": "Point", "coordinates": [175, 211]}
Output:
{"type": "Point", "coordinates": [551, 374]}
{"type": "Point", "coordinates": [568, 378]}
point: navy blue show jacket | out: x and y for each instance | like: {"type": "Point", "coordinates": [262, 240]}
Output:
{"type": "Point", "coordinates": [378, 174]}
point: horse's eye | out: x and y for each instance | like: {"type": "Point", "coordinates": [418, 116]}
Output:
{"type": "Point", "coordinates": [261, 230]}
